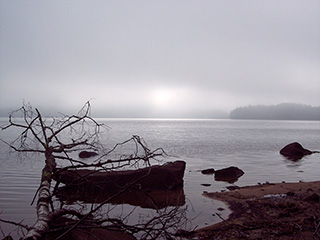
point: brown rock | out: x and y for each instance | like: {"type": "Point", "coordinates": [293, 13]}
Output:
{"type": "Point", "coordinates": [230, 174]}
{"type": "Point", "coordinates": [208, 171]}
{"type": "Point", "coordinates": [294, 151]}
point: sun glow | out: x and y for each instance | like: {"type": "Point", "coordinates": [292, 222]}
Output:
{"type": "Point", "coordinates": [162, 97]}
{"type": "Point", "coordinates": [165, 98]}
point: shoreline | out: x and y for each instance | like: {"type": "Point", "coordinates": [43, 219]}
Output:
{"type": "Point", "coordinates": [268, 211]}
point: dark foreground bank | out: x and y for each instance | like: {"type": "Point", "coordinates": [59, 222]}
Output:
{"type": "Point", "coordinates": [269, 211]}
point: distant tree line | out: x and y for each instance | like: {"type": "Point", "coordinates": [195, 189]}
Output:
{"type": "Point", "coordinates": [283, 111]}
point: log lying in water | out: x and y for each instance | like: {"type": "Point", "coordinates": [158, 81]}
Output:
{"type": "Point", "coordinates": [160, 177]}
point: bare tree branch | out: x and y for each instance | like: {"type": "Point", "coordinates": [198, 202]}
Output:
{"type": "Point", "coordinates": [48, 136]}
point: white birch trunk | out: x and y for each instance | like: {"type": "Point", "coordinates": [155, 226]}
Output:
{"type": "Point", "coordinates": [42, 224]}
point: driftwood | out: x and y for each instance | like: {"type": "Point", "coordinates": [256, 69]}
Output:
{"type": "Point", "coordinates": [166, 177]}
{"type": "Point", "coordinates": [154, 187]}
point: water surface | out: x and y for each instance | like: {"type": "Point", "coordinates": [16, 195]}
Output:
{"type": "Point", "coordinates": [252, 146]}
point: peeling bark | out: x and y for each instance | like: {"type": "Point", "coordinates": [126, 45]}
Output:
{"type": "Point", "coordinates": [43, 213]}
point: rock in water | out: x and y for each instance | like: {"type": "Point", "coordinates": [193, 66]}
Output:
{"type": "Point", "coordinates": [294, 151]}
{"type": "Point", "coordinates": [86, 154]}
{"type": "Point", "coordinates": [230, 174]}
{"type": "Point", "coordinates": [208, 171]}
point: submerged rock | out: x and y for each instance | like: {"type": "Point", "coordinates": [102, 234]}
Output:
{"type": "Point", "coordinates": [294, 151]}
{"type": "Point", "coordinates": [230, 174]}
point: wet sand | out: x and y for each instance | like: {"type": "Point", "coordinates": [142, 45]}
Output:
{"type": "Point", "coordinates": [268, 211]}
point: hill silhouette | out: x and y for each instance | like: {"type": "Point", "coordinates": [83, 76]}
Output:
{"type": "Point", "coordinates": [283, 111]}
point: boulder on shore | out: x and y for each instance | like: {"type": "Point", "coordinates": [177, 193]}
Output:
{"type": "Point", "coordinates": [86, 154]}
{"type": "Point", "coordinates": [230, 174]}
{"type": "Point", "coordinates": [294, 151]}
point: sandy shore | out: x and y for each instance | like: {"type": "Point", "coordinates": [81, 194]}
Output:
{"type": "Point", "coordinates": [268, 211]}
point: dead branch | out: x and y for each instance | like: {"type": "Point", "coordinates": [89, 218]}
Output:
{"type": "Point", "coordinates": [19, 224]}
{"type": "Point", "coordinates": [48, 136]}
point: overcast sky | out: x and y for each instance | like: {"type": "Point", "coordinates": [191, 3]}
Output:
{"type": "Point", "coordinates": [175, 58]}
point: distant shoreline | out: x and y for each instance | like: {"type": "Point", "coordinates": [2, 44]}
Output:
{"type": "Point", "coordinates": [283, 111]}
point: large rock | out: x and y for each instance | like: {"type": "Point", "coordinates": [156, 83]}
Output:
{"type": "Point", "coordinates": [230, 174]}
{"type": "Point", "coordinates": [294, 151]}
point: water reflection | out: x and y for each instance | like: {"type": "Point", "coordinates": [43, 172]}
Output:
{"type": "Point", "coordinates": [145, 199]}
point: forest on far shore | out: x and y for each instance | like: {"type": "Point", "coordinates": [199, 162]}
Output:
{"type": "Point", "coordinates": [283, 111]}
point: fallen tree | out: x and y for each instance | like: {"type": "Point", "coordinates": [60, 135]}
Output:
{"type": "Point", "coordinates": [59, 139]}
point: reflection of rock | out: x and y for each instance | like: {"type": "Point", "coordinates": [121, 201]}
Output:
{"type": "Point", "coordinates": [165, 177]}
{"type": "Point", "coordinates": [154, 200]}
{"type": "Point", "coordinates": [208, 171]}
{"type": "Point", "coordinates": [294, 151]}
{"type": "Point", "coordinates": [86, 154]}
{"type": "Point", "coordinates": [230, 174]}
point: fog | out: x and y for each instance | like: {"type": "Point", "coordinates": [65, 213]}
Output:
{"type": "Point", "coordinates": [158, 58]}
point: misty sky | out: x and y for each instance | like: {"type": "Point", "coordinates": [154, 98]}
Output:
{"type": "Point", "coordinates": [175, 58]}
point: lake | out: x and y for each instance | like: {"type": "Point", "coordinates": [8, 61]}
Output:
{"type": "Point", "coordinates": [251, 145]}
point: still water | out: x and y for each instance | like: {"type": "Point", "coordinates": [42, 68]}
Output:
{"type": "Point", "coordinates": [250, 145]}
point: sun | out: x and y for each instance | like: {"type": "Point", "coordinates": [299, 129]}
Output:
{"type": "Point", "coordinates": [163, 97]}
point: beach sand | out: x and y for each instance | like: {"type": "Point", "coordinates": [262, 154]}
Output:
{"type": "Point", "coordinates": [268, 211]}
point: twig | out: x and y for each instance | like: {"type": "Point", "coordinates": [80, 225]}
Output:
{"type": "Point", "coordinates": [16, 224]}
{"type": "Point", "coordinates": [316, 231]}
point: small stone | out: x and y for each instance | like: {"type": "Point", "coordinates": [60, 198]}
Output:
{"type": "Point", "coordinates": [208, 171]}
{"type": "Point", "coordinates": [290, 194]}
{"type": "Point", "coordinates": [233, 188]}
